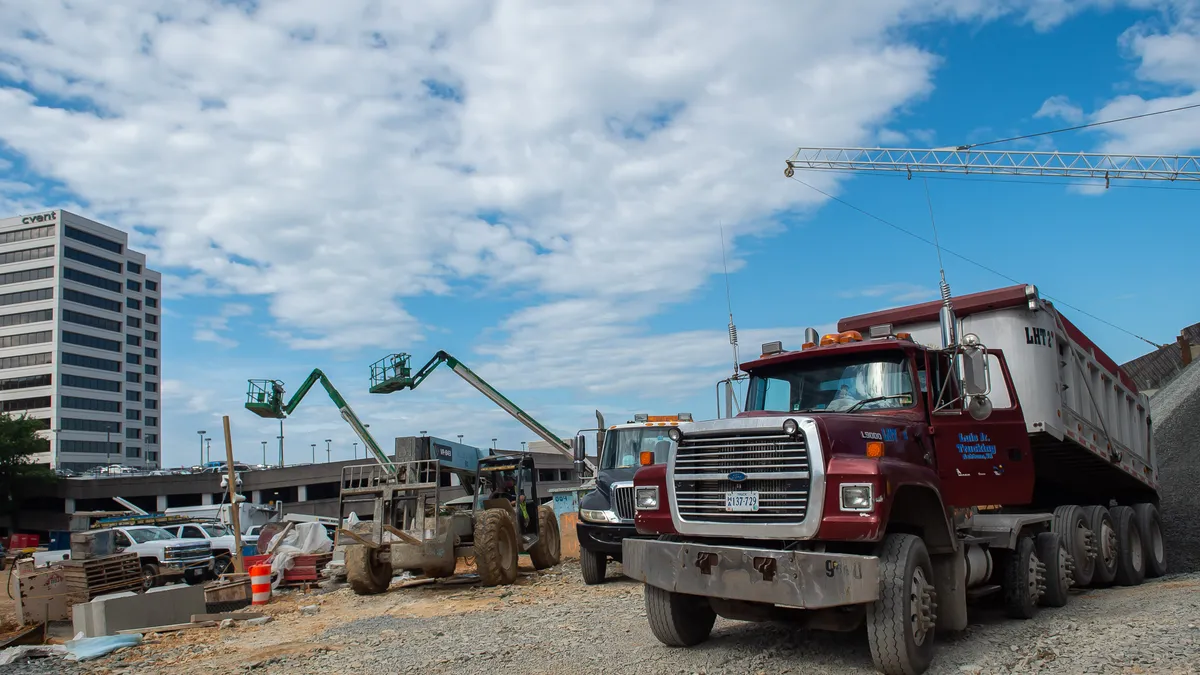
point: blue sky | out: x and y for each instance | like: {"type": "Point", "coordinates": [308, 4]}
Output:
{"type": "Point", "coordinates": [539, 189]}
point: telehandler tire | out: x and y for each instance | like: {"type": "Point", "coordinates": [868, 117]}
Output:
{"type": "Point", "coordinates": [547, 550]}
{"type": "Point", "coordinates": [367, 576]}
{"type": "Point", "coordinates": [496, 547]}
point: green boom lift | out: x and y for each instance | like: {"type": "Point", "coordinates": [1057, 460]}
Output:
{"type": "Point", "coordinates": [265, 399]}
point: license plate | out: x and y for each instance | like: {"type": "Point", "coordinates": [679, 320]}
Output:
{"type": "Point", "coordinates": [741, 501]}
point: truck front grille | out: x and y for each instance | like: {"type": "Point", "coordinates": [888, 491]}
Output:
{"type": "Point", "coordinates": [776, 466]}
{"type": "Point", "coordinates": [622, 501]}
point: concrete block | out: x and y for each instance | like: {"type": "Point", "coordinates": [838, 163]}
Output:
{"type": "Point", "coordinates": [165, 606]}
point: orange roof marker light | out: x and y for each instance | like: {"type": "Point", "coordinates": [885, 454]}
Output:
{"type": "Point", "coordinates": [849, 336]}
{"type": "Point", "coordinates": [830, 339]}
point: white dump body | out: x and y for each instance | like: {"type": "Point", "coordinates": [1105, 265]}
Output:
{"type": "Point", "coordinates": [1065, 389]}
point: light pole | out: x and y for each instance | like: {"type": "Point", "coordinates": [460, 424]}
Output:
{"type": "Point", "coordinates": [327, 456]}
{"type": "Point", "coordinates": [423, 434]}
{"type": "Point", "coordinates": [522, 446]}
{"type": "Point", "coordinates": [281, 442]}
{"type": "Point", "coordinates": [493, 444]}
{"type": "Point", "coordinates": [201, 433]}
{"type": "Point", "coordinates": [314, 448]}
{"type": "Point", "coordinates": [355, 449]}
{"type": "Point", "coordinates": [264, 453]}
{"type": "Point", "coordinates": [460, 439]}
{"type": "Point", "coordinates": [107, 444]}
{"type": "Point", "coordinates": [208, 449]}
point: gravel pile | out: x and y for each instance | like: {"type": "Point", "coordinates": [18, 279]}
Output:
{"type": "Point", "coordinates": [1175, 415]}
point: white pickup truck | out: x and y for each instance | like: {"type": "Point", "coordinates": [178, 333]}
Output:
{"type": "Point", "coordinates": [163, 555]}
{"type": "Point", "coordinates": [219, 538]}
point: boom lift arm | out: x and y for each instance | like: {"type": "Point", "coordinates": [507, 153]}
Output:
{"type": "Point", "coordinates": [394, 373]}
{"type": "Point", "coordinates": [964, 159]}
{"type": "Point", "coordinates": [265, 399]}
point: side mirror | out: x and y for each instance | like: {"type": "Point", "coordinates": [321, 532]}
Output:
{"type": "Point", "coordinates": [973, 373]}
{"type": "Point", "coordinates": [979, 407]}
{"type": "Point", "coordinates": [579, 448]}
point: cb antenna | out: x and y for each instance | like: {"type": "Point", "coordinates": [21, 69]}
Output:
{"type": "Point", "coordinates": [946, 315]}
{"type": "Point", "coordinates": [733, 336]}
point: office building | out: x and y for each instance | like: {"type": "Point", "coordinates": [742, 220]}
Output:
{"type": "Point", "coordinates": [80, 334]}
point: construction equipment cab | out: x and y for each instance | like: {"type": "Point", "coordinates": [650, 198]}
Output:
{"type": "Point", "coordinates": [882, 471]}
{"type": "Point", "coordinates": [606, 513]}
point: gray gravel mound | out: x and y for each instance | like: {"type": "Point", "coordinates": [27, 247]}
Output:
{"type": "Point", "coordinates": [1175, 416]}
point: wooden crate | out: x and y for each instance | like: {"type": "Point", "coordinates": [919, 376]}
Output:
{"type": "Point", "coordinates": [87, 579]}
{"type": "Point", "coordinates": [305, 568]}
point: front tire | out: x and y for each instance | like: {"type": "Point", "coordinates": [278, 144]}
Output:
{"type": "Point", "coordinates": [367, 576]}
{"type": "Point", "coordinates": [496, 547]}
{"type": "Point", "coordinates": [150, 576]}
{"type": "Point", "coordinates": [678, 620]}
{"type": "Point", "coordinates": [594, 566]}
{"type": "Point", "coordinates": [1022, 583]}
{"type": "Point", "coordinates": [900, 624]}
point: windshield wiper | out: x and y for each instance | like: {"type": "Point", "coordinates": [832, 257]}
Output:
{"type": "Point", "coordinates": [873, 399]}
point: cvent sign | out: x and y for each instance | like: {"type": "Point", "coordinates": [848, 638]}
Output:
{"type": "Point", "coordinates": [40, 218]}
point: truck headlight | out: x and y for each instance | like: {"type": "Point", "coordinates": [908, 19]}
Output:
{"type": "Point", "coordinates": [646, 498]}
{"type": "Point", "coordinates": [857, 497]}
{"type": "Point", "coordinates": [595, 516]}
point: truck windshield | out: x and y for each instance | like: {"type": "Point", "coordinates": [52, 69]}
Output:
{"type": "Point", "coordinates": [622, 446]}
{"type": "Point", "coordinates": [150, 534]}
{"type": "Point", "coordinates": [851, 383]}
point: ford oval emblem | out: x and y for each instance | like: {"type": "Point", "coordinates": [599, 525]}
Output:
{"type": "Point", "coordinates": [737, 476]}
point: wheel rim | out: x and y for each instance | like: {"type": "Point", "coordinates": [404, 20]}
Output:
{"type": "Point", "coordinates": [1156, 540]}
{"type": "Point", "coordinates": [1108, 545]}
{"type": "Point", "coordinates": [147, 579]}
{"type": "Point", "coordinates": [920, 604]}
{"type": "Point", "coordinates": [1031, 579]}
{"type": "Point", "coordinates": [1085, 543]}
{"type": "Point", "coordinates": [1135, 548]}
{"type": "Point", "coordinates": [1066, 567]}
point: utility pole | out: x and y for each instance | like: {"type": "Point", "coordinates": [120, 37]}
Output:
{"type": "Point", "coordinates": [314, 449]}
{"type": "Point", "coordinates": [264, 453]}
{"type": "Point", "coordinates": [281, 442]}
{"type": "Point", "coordinates": [201, 433]}
{"type": "Point", "coordinates": [355, 449]}
{"type": "Point", "coordinates": [327, 455]}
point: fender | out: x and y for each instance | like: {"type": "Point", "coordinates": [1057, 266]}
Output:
{"type": "Point", "coordinates": [889, 478]}
{"type": "Point", "coordinates": [653, 521]}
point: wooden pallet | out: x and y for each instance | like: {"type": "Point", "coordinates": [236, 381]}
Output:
{"type": "Point", "coordinates": [87, 579]}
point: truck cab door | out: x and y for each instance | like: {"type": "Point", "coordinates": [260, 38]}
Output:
{"type": "Point", "coordinates": [980, 462]}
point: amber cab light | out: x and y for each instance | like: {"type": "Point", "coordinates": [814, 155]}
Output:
{"type": "Point", "coordinates": [646, 458]}
{"type": "Point", "coordinates": [850, 336]}
{"type": "Point", "coordinates": [830, 339]}
{"type": "Point", "coordinates": [874, 449]}
{"type": "Point", "coordinates": [807, 345]}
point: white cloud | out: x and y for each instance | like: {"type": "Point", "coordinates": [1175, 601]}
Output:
{"type": "Point", "coordinates": [214, 328]}
{"type": "Point", "coordinates": [1060, 107]}
{"type": "Point", "coordinates": [899, 292]}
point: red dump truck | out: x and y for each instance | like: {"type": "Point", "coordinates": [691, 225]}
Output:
{"type": "Point", "coordinates": [887, 473]}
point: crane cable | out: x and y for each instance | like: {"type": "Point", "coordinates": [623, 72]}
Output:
{"type": "Point", "coordinates": [973, 262]}
{"type": "Point", "coordinates": [1078, 127]}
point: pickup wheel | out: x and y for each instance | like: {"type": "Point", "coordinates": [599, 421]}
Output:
{"type": "Point", "coordinates": [1150, 524]}
{"type": "Point", "coordinates": [1131, 552]}
{"type": "Point", "coordinates": [1052, 552]}
{"type": "Point", "coordinates": [223, 565]}
{"type": "Point", "coordinates": [1023, 580]}
{"type": "Point", "coordinates": [593, 565]}
{"type": "Point", "coordinates": [1104, 542]}
{"type": "Point", "coordinates": [150, 576]}
{"type": "Point", "coordinates": [678, 620]}
{"type": "Point", "coordinates": [900, 624]}
{"type": "Point", "coordinates": [1069, 521]}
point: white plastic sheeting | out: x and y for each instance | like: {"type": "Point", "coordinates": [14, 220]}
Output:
{"type": "Point", "coordinates": [302, 539]}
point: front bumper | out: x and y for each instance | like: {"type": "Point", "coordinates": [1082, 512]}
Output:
{"type": "Point", "coordinates": [604, 538]}
{"type": "Point", "coordinates": [790, 578]}
{"type": "Point", "coordinates": [188, 565]}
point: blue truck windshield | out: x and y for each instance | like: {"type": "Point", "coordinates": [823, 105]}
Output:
{"type": "Point", "coordinates": [862, 382]}
{"type": "Point", "coordinates": [622, 446]}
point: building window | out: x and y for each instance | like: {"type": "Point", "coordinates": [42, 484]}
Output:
{"type": "Point", "coordinates": [25, 403]}
{"type": "Point", "coordinates": [152, 386]}
{"type": "Point", "coordinates": [27, 275]}
{"type": "Point", "coordinates": [152, 319]}
{"type": "Point", "coordinates": [134, 268]}
{"type": "Point", "coordinates": [133, 358]}
{"type": "Point", "coordinates": [26, 234]}
{"type": "Point", "coordinates": [89, 299]}
{"type": "Point", "coordinates": [21, 318]}
{"type": "Point", "coordinates": [27, 360]}
{"type": "Point", "coordinates": [133, 322]}
{"type": "Point", "coordinates": [132, 304]}
{"type": "Point", "coordinates": [94, 240]}
{"type": "Point", "coordinates": [134, 415]}
{"type": "Point", "coordinates": [26, 382]}
{"type": "Point", "coordinates": [94, 447]}
{"type": "Point", "coordinates": [101, 426]}
{"type": "Point", "coordinates": [90, 341]}
{"type": "Point", "coordinates": [132, 395]}
{"type": "Point", "coordinates": [89, 320]}
{"type": "Point", "coordinates": [26, 254]}
{"type": "Point", "coordinates": [91, 362]}
{"type": "Point", "coordinates": [22, 339]}
{"type": "Point", "coordinates": [151, 353]}
{"type": "Point", "coordinates": [80, 403]}
{"type": "Point", "coordinates": [151, 421]}
{"type": "Point", "coordinates": [133, 452]}
{"type": "Point", "coordinates": [151, 302]}
{"type": "Point", "coordinates": [133, 285]}
{"type": "Point", "coordinates": [133, 340]}
{"type": "Point", "coordinates": [152, 439]}
{"type": "Point", "coordinates": [151, 369]}
{"type": "Point", "coordinates": [151, 285]}
{"type": "Point", "coordinates": [91, 280]}
{"type": "Point", "coordinates": [89, 259]}
{"type": "Point", "coordinates": [151, 404]}
{"type": "Point", "coordinates": [27, 296]}
{"type": "Point", "coordinates": [151, 336]}
{"type": "Point", "coordinates": [133, 432]}
{"type": "Point", "coordinates": [151, 456]}
{"type": "Point", "coordinates": [90, 383]}
{"type": "Point", "coordinates": [131, 376]}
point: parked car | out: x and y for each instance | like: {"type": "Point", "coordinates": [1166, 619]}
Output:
{"type": "Point", "coordinates": [164, 556]}
{"type": "Point", "coordinates": [219, 538]}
